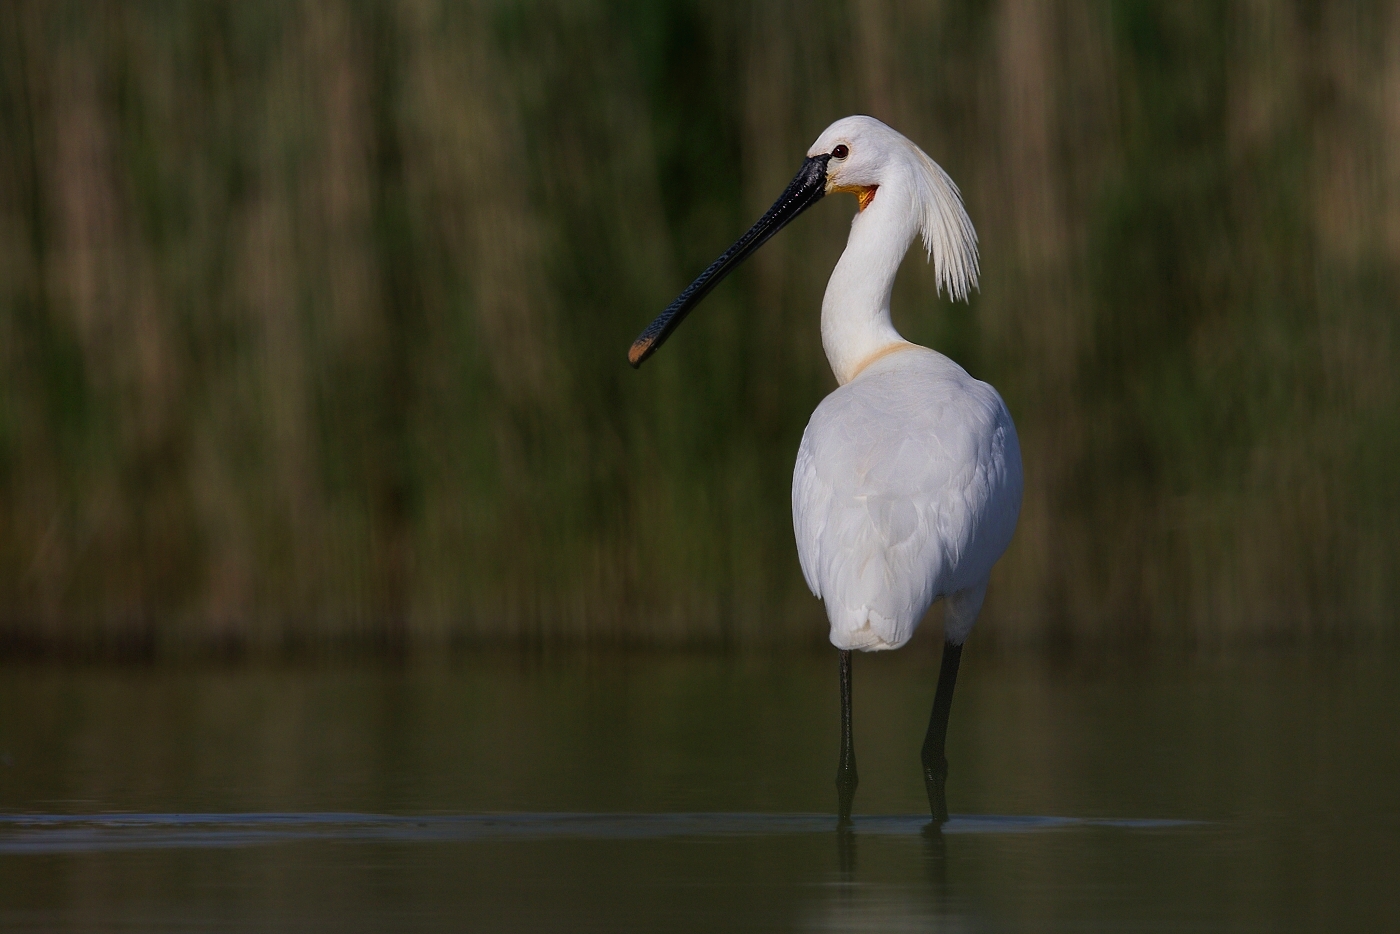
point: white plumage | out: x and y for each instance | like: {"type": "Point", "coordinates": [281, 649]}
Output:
{"type": "Point", "coordinates": [907, 487]}
{"type": "Point", "coordinates": [908, 481]}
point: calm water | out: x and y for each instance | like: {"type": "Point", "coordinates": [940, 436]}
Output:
{"type": "Point", "coordinates": [608, 793]}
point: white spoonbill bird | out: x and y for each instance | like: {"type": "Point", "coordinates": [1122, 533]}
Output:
{"type": "Point", "coordinates": [908, 481]}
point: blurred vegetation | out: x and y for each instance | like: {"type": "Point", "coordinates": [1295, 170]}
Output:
{"type": "Point", "coordinates": [313, 316]}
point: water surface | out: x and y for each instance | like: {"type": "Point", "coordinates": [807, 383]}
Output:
{"type": "Point", "coordinates": [615, 792]}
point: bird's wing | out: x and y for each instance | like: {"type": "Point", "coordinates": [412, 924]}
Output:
{"type": "Point", "coordinates": [810, 491]}
{"type": "Point", "coordinates": [896, 481]}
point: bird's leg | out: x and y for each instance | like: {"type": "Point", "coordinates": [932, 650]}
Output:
{"type": "Point", "coordinates": [935, 762]}
{"type": "Point", "coordinates": [846, 779]}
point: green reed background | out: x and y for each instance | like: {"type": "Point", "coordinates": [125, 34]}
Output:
{"type": "Point", "coordinates": [313, 316]}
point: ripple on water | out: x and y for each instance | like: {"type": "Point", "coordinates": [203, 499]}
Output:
{"type": "Point", "coordinates": [77, 833]}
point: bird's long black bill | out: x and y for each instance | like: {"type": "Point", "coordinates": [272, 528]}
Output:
{"type": "Point", "coordinates": [806, 190]}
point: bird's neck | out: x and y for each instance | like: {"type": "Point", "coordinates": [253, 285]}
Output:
{"type": "Point", "coordinates": [856, 327]}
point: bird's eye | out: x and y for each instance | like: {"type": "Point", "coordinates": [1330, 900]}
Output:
{"type": "Point", "coordinates": [841, 152]}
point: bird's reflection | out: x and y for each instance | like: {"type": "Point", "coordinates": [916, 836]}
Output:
{"type": "Point", "coordinates": [878, 902]}
{"type": "Point", "coordinates": [846, 851]}
{"type": "Point", "coordinates": [935, 854]}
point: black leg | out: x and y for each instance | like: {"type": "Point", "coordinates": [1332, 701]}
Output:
{"type": "Point", "coordinates": [846, 779]}
{"type": "Point", "coordinates": [935, 762]}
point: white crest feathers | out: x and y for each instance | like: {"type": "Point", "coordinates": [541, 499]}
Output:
{"type": "Point", "coordinates": [949, 237]}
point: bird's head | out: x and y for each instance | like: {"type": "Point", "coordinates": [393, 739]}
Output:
{"type": "Point", "coordinates": [865, 154]}
{"type": "Point", "coordinates": [859, 152]}
{"type": "Point", "coordinates": [860, 155]}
